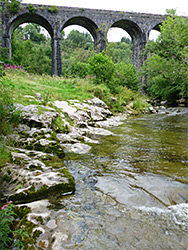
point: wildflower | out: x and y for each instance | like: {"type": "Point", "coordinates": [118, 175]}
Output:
{"type": "Point", "coordinates": [22, 226]}
{"type": "Point", "coordinates": [10, 202]}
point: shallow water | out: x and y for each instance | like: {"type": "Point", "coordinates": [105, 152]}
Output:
{"type": "Point", "coordinates": [132, 188]}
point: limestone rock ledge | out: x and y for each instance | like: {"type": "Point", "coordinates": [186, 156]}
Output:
{"type": "Point", "coordinates": [41, 140]}
{"type": "Point", "coordinates": [35, 175]}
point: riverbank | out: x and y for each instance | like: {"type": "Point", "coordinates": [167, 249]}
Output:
{"type": "Point", "coordinates": [50, 125]}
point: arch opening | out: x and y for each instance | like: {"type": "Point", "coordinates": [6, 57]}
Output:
{"type": "Point", "coordinates": [130, 27]}
{"type": "Point", "coordinates": [84, 22]}
{"type": "Point", "coordinates": [119, 45]}
{"type": "Point", "coordinates": [153, 35]}
{"type": "Point", "coordinates": [78, 41]}
{"type": "Point", "coordinates": [154, 32]}
{"type": "Point", "coordinates": [30, 18]}
{"type": "Point", "coordinates": [138, 39]}
{"type": "Point", "coordinates": [76, 48]}
{"type": "Point", "coordinates": [34, 42]}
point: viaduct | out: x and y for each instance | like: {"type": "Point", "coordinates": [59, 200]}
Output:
{"type": "Point", "coordinates": [55, 18]}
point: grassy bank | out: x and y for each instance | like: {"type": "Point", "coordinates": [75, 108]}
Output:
{"type": "Point", "coordinates": [21, 84]}
{"type": "Point", "coordinates": [17, 85]}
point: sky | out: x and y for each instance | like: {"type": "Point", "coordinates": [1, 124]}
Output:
{"type": "Point", "coordinates": [143, 6]}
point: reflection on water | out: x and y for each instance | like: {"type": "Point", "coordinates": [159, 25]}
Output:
{"type": "Point", "coordinates": [132, 188]}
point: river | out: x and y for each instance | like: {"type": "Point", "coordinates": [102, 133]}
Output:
{"type": "Point", "coordinates": [132, 188]}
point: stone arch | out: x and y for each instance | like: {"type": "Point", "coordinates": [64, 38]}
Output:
{"type": "Point", "coordinates": [84, 22]}
{"type": "Point", "coordinates": [91, 26]}
{"type": "Point", "coordinates": [29, 18]}
{"type": "Point", "coordinates": [155, 27]}
{"type": "Point", "coordinates": [14, 22]}
{"type": "Point", "coordinates": [139, 38]}
{"type": "Point", "coordinates": [129, 26]}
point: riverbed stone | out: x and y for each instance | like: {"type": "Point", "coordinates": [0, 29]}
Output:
{"type": "Point", "coordinates": [78, 148]}
{"type": "Point", "coordinates": [29, 179]}
{"type": "Point", "coordinates": [51, 224]}
{"type": "Point", "coordinates": [37, 115]}
{"type": "Point", "coordinates": [41, 140]}
{"type": "Point", "coordinates": [84, 112]}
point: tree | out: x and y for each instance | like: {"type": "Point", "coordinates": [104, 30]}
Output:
{"type": "Point", "coordinates": [78, 39]}
{"type": "Point", "coordinates": [126, 75]}
{"type": "Point", "coordinates": [120, 52]}
{"type": "Point", "coordinates": [102, 68]}
{"type": "Point", "coordinates": [166, 68]}
{"type": "Point", "coordinates": [31, 49]}
{"type": "Point", "coordinates": [32, 32]}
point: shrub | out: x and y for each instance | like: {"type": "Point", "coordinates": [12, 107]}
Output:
{"type": "Point", "coordinates": [102, 68]}
{"type": "Point", "coordinates": [9, 236]}
{"type": "Point", "coordinates": [13, 6]}
{"type": "Point", "coordinates": [8, 115]}
{"type": "Point", "coordinates": [79, 69]}
{"type": "Point", "coordinates": [31, 8]}
{"type": "Point", "coordinates": [53, 9]}
{"type": "Point", "coordinates": [126, 75]}
{"type": "Point", "coordinates": [140, 105]}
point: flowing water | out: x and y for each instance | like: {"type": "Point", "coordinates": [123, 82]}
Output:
{"type": "Point", "coordinates": [132, 188]}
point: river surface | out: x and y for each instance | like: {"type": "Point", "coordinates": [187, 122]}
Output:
{"type": "Point", "coordinates": [132, 188]}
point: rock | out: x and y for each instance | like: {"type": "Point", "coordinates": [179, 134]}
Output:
{"type": "Point", "coordinates": [37, 170]}
{"type": "Point", "coordinates": [66, 138]}
{"type": "Point", "coordinates": [152, 110]}
{"type": "Point", "coordinates": [78, 148]}
{"type": "Point", "coordinates": [84, 113]}
{"type": "Point", "coordinates": [37, 115]}
{"type": "Point", "coordinates": [96, 132]}
{"type": "Point", "coordinates": [97, 102]}
{"type": "Point", "coordinates": [29, 96]}
{"type": "Point", "coordinates": [30, 179]}
{"type": "Point", "coordinates": [39, 96]}
{"type": "Point", "coordinates": [51, 224]}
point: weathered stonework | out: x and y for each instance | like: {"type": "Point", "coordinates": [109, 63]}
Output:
{"type": "Point", "coordinates": [97, 22]}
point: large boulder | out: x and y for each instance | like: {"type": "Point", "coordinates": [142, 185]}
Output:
{"type": "Point", "coordinates": [34, 175]}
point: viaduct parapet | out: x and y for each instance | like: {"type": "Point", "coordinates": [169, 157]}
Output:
{"type": "Point", "coordinates": [55, 18]}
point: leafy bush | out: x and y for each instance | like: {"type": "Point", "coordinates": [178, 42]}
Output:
{"type": "Point", "coordinates": [102, 68]}
{"type": "Point", "coordinates": [53, 9]}
{"type": "Point", "coordinates": [8, 115]}
{"type": "Point", "coordinates": [126, 75]}
{"type": "Point", "coordinates": [166, 67]}
{"type": "Point", "coordinates": [140, 105]}
{"type": "Point", "coordinates": [79, 69]}
{"type": "Point", "coordinates": [31, 8]}
{"type": "Point", "coordinates": [9, 236]}
{"type": "Point", "coordinates": [13, 5]}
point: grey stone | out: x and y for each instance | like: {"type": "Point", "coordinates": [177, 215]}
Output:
{"type": "Point", "coordinates": [78, 148]}
{"type": "Point", "coordinates": [98, 22]}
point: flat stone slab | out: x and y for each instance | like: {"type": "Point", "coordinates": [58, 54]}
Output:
{"type": "Point", "coordinates": [34, 176]}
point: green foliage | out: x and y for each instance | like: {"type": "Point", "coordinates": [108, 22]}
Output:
{"type": "Point", "coordinates": [102, 68]}
{"type": "Point", "coordinates": [104, 71]}
{"type": "Point", "coordinates": [120, 51]}
{"type": "Point", "coordinates": [139, 104]}
{"type": "Point", "coordinates": [11, 236]}
{"type": "Point", "coordinates": [8, 116]}
{"type": "Point", "coordinates": [126, 75]}
{"type": "Point", "coordinates": [76, 39]}
{"type": "Point", "coordinates": [4, 152]}
{"type": "Point", "coordinates": [2, 73]}
{"type": "Point", "coordinates": [53, 9]}
{"type": "Point", "coordinates": [166, 68]}
{"type": "Point", "coordinates": [36, 48]}
{"type": "Point", "coordinates": [13, 6]}
{"type": "Point", "coordinates": [31, 8]}
{"type": "Point", "coordinates": [79, 69]}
